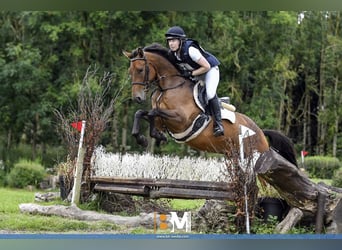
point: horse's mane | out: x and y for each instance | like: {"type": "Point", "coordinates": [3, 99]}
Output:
{"type": "Point", "coordinates": [155, 48]}
{"type": "Point", "coordinates": [162, 51]}
{"type": "Point", "coordinates": [158, 49]}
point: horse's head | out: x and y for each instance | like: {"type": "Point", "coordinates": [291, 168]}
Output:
{"type": "Point", "coordinates": [141, 74]}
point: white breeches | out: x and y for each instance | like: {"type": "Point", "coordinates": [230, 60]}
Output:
{"type": "Point", "coordinates": [212, 78]}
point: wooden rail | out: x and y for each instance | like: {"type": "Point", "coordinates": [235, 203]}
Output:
{"type": "Point", "coordinates": [164, 188]}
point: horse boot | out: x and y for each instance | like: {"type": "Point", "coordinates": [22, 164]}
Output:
{"type": "Point", "coordinates": [216, 113]}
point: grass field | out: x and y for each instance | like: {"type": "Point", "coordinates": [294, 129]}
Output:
{"type": "Point", "coordinates": [13, 221]}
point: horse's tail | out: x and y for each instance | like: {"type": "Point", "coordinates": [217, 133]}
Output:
{"type": "Point", "coordinates": [282, 144]}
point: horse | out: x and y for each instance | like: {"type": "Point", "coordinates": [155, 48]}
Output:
{"type": "Point", "coordinates": [177, 111]}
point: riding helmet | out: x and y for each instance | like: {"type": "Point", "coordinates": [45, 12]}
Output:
{"type": "Point", "coordinates": [175, 32]}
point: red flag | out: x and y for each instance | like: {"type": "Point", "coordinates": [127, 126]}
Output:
{"type": "Point", "coordinates": [77, 125]}
{"type": "Point", "coordinates": [305, 153]}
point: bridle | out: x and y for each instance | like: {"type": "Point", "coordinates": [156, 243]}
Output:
{"type": "Point", "coordinates": [146, 83]}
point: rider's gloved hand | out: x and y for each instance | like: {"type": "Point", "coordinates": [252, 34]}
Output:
{"type": "Point", "coordinates": [187, 74]}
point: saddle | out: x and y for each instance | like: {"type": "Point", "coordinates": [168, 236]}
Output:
{"type": "Point", "coordinates": [200, 98]}
{"type": "Point", "coordinates": [203, 119]}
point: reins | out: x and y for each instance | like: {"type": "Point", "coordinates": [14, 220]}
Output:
{"type": "Point", "coordinates": [170, 88]}
{"type": "Point", "coordinates": [146, 82]}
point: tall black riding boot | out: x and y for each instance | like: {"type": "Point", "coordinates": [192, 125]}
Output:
{"type": "Point", "coordinates": [216, 113]}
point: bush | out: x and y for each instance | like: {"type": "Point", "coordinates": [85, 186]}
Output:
{"type": "Point", "coordinates": [322, 166]}
{"type": "Point", "coordinates": [25, 173]}
{"type": "Point", "coordinates": [337, 178]}
{"type": "Point", "coordinates": [48, 156]}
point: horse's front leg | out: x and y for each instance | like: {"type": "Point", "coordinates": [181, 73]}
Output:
{"type": "Point", "coordinates": [141, 139]}
{"type": "Point", "coordinates": [154, 131]}
{"type": "Point", "coordinates": [172, 117]}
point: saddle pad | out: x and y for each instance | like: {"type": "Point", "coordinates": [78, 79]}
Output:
{"type": "Point", "coordinates": [225, 113]}
{"type": "Point", "coordinates": [228, 115]}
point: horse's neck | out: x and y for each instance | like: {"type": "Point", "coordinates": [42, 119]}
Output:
{"type": "Point", "coordinates": [163, 66]}
{"type": "Point", "coordinates": [175, 95]}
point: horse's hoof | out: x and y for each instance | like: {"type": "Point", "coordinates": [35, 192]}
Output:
{"type": "Point", "coordinates": [161, 141]}
{"type": "Point", "coordinates": [163, 138]}
{"type": "Point", "coordinates": [144, 144]}
{"type": "Point", "coordinates": [142, 141]}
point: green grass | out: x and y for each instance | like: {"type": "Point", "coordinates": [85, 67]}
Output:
{"type": "Point", "coordinates": [11, 198]}
{"type": "Point", "coordinates": [11, 219]}
{"type": "Point", "coordinates": [184, 205]}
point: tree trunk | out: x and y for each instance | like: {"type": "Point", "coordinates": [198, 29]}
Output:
{"type": "Point", "coordinates": [306, 117]}
{"type": "Point", "coordinates": [296, 188]}
{"type": "Point", "coordinates": [115, 132]}
{"type": "Point", "coordinates": [337, 105]}
{"type": "Point", "coordinates": [124, 129]}
{"type": "Point", "coordinates": [321, 131]}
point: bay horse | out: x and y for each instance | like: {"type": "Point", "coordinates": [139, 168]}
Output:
{"type": "Point", "coordinates": [175, 110]}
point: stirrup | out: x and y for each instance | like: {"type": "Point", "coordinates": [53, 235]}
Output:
{"type": "Point", "coordinates": [218, 131]}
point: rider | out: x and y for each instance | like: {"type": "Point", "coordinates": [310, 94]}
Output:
{"type": "Point", "coordinates": [193, 61]}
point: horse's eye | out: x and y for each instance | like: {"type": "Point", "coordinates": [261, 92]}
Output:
{"type": "Point", "coordinates": [140, 70]}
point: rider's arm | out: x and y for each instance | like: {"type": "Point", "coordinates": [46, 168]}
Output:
{"type": "Point", "coordinates": [197, 57]}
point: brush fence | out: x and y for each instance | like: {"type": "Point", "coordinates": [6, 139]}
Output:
{"type": "Point", "coordinates": [160, 176]}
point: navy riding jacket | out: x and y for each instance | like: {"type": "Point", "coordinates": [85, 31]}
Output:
{"type": "Point", "coordinates": [185, 57]}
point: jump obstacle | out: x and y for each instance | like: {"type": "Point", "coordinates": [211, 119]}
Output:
{"type": "Point", "coordinates": [163, 177]}
{"type": "Point", "coordinates": [160, 176]}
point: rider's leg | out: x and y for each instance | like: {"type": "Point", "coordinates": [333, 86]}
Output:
{"type": "Point", "coordinates": [211, 81]}
{"type": "Point", "coordinates": [215, 109]}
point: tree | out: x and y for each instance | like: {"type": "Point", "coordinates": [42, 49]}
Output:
{"type": "Point", "coordinates": [331, 91]}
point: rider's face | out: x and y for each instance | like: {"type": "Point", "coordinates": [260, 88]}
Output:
{"type": "Point", "coordinates": [174, 44]}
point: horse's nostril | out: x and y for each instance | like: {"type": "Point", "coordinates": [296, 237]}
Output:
{"type": "Point", "coordinates": [138, 99]}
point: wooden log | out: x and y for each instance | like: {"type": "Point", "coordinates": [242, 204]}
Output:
{"type": "Point", "coordinates": [181, 193]}
{"type": "Point", "coordinates": [337, 217]}
{"type": "Point", "coordinates": [123, 189]}
{"type": "Point", "coordinates": [291, 219]}
{"type": "Point", "coordinates": [203, 185]}
{"type": "Point", "coordinates": [46, 196]}
{"type": "Point", "coordinates": [336, 225]}
{"type": "Point", "coordinates": [334, 189]}
{"type": "Point", "coordinates": [295, 187]}
{"type": "Point", "coordinates": [73, 212]}
{"type": "Point", "coordinates": [120, 180]}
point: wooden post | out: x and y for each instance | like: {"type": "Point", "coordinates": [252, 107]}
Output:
{"type": "Point", "coordinates": [320, 212]}
{"type": "Point", "coordinates": [79, 169]}
{"type": "Point", "coordinates": [244, 133]}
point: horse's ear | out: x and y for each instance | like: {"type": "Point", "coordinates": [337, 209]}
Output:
{"type": "Point", "coordinates": [141, 52]}
{"type": "Point", "coordinates": [127, 54]}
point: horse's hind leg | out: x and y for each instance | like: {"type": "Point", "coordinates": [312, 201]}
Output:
{"type": "Point", "coordinates": [141, 139]}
